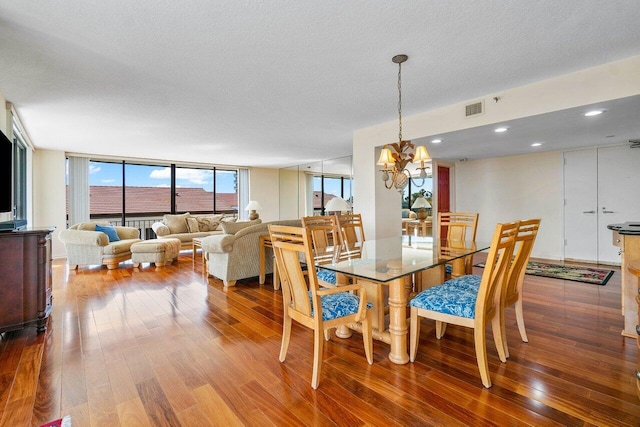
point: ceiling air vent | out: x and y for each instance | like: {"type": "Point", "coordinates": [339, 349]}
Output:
{"type": "Point", "coordinates": [635, 143]}
{"type": "Point", "coordinates": [474, 109]}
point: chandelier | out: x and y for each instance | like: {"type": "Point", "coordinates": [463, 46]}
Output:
{"type": "Point", "coordinates": [395, 157]}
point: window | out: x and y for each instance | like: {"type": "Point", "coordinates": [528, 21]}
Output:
{"type": "Point", "coordinates": [19, 174]}
{"type": "Point", "coordinates": [137, 195]}
{"type": "Point", "coordinates": [147, 190]}
{"type": "Point", "coordinates": [105, 190]}
{"type": "Point", "coordinates": [194, 190]}
{"type": "Point", "coordinates": [411, 192]}
{"type": "Point", "coordinates": [226, 185]}
{"type": "Point", "coordinates": [326, 187]}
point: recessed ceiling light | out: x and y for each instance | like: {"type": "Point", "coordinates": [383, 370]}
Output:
{"type": "Point", "coordinates": [593, 113]}
{"type": "Point", "coordinates": [500, 129]}
{"type": "Point", "coordinates": [536, 144]}
{"type": "Point", "coordinates": [436, 141]}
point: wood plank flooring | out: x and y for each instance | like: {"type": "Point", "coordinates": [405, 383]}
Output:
{"type": "Point", "coordinates": [167, 347]}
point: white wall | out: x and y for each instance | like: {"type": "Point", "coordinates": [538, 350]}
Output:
{"type": "Point", "coordinates": [264, 187]}
{"type": "Point", "coordinates": [49, 195]}
{"type": "Point", "coordinates": [518, 187]}
{"type": "Point", "coordinates": [380, 207]}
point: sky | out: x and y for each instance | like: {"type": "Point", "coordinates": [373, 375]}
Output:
{"type": "Point", "coordinates": [107, 174]}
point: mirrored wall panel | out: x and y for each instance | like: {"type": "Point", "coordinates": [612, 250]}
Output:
{"type": "Point", "coordinates": [305, 189]}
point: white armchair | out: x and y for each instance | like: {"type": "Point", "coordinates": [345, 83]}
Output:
{"type": "Point", "coordinates": [235, 254]}
{"type": "Point", "coordinates": [85, 246]}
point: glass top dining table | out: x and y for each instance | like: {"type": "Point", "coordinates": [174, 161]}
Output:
{"type": "Point", "coordinates": [384, 260]}
{"type": "Point", "coordinates": [393, 262]}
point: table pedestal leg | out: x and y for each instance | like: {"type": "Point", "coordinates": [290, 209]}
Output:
{"type": "Point", "coordinates": [343, 331]}
{"type": "Point", "coordinates": [398, 321]}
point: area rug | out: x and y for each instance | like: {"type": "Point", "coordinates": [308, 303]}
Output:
{"type": "Point", "coordinates": [594, 276]}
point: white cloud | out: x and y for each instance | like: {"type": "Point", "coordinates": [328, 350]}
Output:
{"type": "Point", "coordinates": [93, 169]}
{"type": "Point", "coordinates": [193, 176]}
{"type": "Point", "coordinates": [160, 173]}
{"type": "Point", "coordinates": [108, 181]}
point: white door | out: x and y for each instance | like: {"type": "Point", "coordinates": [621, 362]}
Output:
{"type": "Point", "coordinates": [581, 205]}
{"type": "Point", "coordinates": [618, 195]}
{"type": "Point", "coordinates": [602, 187]}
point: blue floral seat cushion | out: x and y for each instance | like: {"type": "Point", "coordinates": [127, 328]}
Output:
{"type": "Point", "coordinates": [470, 281]}
{"type": "Point", "coordinates": [448, 268]}
{"type": "Point", "coordinates": [456, 297]}
{"type": "Point", "coordinates": [338, 305]}
{"type": "Point", "coordinates": [326, 275]}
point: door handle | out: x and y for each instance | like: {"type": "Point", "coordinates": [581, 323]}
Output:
{"type": "Point", "coordinates": [608, 212]}
{"type": "Point", "coordinates": [588, 211]}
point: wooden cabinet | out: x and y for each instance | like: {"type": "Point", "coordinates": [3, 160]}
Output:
{"type": "Point", "coordinates": [634, 268]}
{"type": "Point", "coordinates": [25, 279]}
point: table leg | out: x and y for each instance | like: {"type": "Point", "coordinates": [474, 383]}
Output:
{"type": "Point", "coordinates": [263, 261]}
{"type": "Point", "coordinates": [193, 258]}
{"type": "Point", "coordinates": [276, 278]}
{"type": "Point", "coordinates": [398, 321]}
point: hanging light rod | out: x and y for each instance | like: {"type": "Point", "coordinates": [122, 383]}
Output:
{"type": "Point", "coordinates": [395, 157]}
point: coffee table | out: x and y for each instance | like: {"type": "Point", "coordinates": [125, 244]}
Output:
{"type": "Point", "coordinates": [197, 243]}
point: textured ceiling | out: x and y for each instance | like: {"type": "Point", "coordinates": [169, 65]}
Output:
{"type": "Point", "coordinates": [276, 83]}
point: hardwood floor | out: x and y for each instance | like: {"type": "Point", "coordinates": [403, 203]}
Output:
{"type": "Point", "coordinates": [165, 348]}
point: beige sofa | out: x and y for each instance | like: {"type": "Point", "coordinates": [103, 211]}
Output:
{"type": "Point", "coordinates": [86, 246]}
{"type": "Point", "coordinates": [235, 254]}
{"type": "Point", "coordinates": [187, 226]}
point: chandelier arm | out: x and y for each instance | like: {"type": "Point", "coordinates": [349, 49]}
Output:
{"type": "Point", "coordinates": [390, 182]}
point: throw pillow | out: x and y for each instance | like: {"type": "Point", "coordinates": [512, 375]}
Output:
{"type": "Point", "coordinates": [226, 219]}
{"type": "Point", "coordinates": [233, 227]}
{"type": "Point", "coordinates": [192, 225]}
{"type": "Point", "coordinates": [110, 231]}
{"type": "Point", "coordinates": [177, 223]}
{"type": "Point", "coordinates": [208, 222]}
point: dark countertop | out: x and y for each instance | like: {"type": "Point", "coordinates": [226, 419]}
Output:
{"type": "Point", "coordinates": [631, 228]}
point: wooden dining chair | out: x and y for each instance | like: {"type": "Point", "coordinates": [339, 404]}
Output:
{"type": "Point", "coordinates": [352, 230]}
{"type": "Point", "coordinates": [468, 306]}
{"type": "Point", "coordinates": [353, 238]}
{"type": "Point", "coordinates": [307, 304]}
{"type": "Point", "coordinates": [512, 290]}
{"type": "Point", "coordinates": [458, 226]}
{"type": "Point", "coordinates": [326, 239]}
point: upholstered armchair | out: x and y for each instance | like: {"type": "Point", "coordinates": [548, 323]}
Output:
{"type": "Point", "coordinates": [86, 246]}
{"type": "Point", "coordinates": [235, 254]}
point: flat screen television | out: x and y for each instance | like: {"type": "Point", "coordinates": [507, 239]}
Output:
{"type": "Point", "coordinates": [6, 174]}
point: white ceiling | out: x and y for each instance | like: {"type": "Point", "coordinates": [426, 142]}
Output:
{"type": "Point", "coordinates": [560, 130]}
{"type": "Point", "coordinates": [277, 83]}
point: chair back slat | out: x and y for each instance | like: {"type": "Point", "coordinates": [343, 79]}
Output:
{"type": "Point", "coordinates": [527, 232]}
{"type": "Point", "coordinates": [494, 275]}
{"type": "Point", "coordinates": [458, 225]}
{"type": "Point", "coordinates": [352, 228]}
{"type": "Point", "coordinates": [352, 231]}
{"type": "Point", "coordinates": [325, 236]}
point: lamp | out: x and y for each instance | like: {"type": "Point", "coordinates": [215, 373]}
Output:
{"type": "Point", "coordinates": [337, 204]}
{"type": "Point", "coordinates": [395, 157]}
{"type": "Point", "coordinates": [252, 207]}
{"type": "Point", "coordinates": [422, 204]}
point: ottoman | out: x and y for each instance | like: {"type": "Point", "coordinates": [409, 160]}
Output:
{"type": "Point", "coordinates": [156, 251]}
